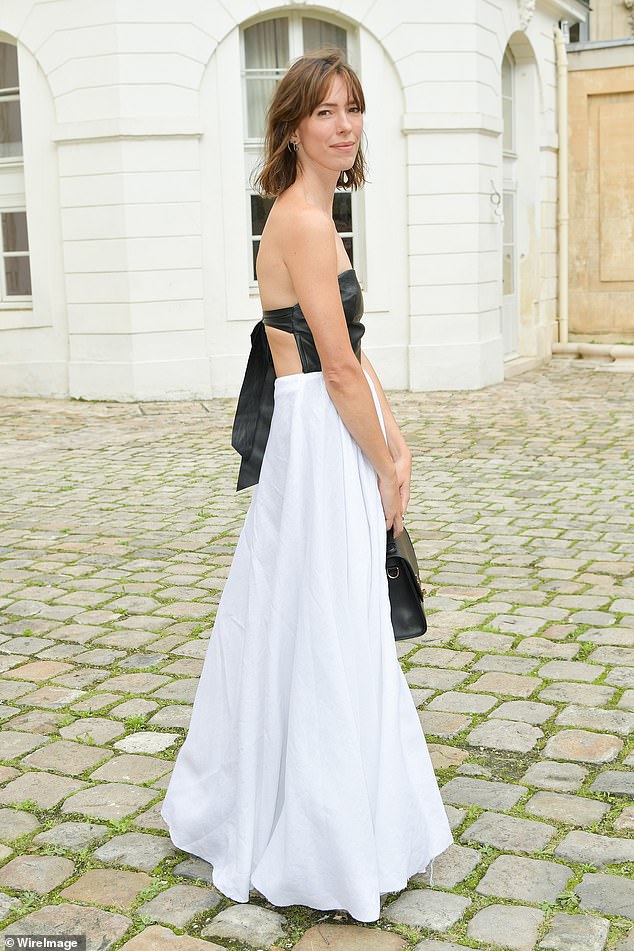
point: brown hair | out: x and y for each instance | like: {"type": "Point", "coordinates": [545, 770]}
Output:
{"type": "Point", "coordinates": [297, 94]}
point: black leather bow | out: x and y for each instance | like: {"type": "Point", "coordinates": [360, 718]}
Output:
{"type": "Point", "coordinates": [252, 421]}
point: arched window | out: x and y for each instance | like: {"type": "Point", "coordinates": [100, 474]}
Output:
{"type": "Point", "coordinates": [15, 272]}
{"type": "Point", "coordinates": [10, 124]}
{"type": "Point", "coordinates": [268, 47]}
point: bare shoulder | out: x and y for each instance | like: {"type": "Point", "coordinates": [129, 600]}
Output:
{"type": "Point", "coordinates": [304, 217]}
{"type": "Point", "coordinates": [298, 221]}
{"type": "Point", "coordinates": [309, 241]}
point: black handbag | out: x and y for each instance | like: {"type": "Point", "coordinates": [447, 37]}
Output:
{"type": "Point", "coordinates": [406, 594]}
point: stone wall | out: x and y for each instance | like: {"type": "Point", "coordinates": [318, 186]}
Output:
{"type": "Point", "coordinates": [611, 19]}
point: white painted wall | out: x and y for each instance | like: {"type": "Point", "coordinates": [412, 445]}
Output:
{"type": "Point", "coordinates": [135, 186]}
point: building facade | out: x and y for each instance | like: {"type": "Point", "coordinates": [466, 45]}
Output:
{"type": "Point", "coordinates": [129, 132]}
{"type": "Point", "coordinates": [610, 20]}
{"type": "Point", "coordinates": [601, 174]}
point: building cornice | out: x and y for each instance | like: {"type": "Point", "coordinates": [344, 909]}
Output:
{"type": "Point", "coordinates": [577, 10]}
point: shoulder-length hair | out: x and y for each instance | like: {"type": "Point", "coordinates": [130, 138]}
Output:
{"type": "Point", "coordinates": [297, 94]}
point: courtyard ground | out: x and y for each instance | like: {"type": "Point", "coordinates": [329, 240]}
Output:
{"type": "Point", "coordinates": [117, 527]}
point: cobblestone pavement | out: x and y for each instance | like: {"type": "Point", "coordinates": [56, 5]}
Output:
{"type": "Point", "coordinates": [117, 527]}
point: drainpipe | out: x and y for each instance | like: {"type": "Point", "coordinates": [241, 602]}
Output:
{"type": "Point", "coordinates": [562, 171]}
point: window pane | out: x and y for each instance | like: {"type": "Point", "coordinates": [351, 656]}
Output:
{"type": "Point", "coordinates": [8, 66]}
{"type": "Point", "coordinates": [14, 232]}
{"type": "Point", "coordinates": [347, 243]}
{"type": "Point", "coordinates": [260, 208]}
{"type": "Point", "coordinates": [256, 248]}
{"type": "Point", "coordinates": [259, 94]}
{"type": "Point", "coordinates": [507, 118]}
{"type": "Point", "coordinates": [507, 77]}
{"type": "Point", "coordinates": [317, 34]}
{"type": "Point", "coordinates": [342, 211]}
{"type": "Point", "coordinates": [266, 45]}
{"type": "Point", "coordinates": [508, 208]}
{"type": "Point", "coordinates": [10, 128]}
{"type": "Point", "coordinates": [18, 276]}
{"type": "Point", "coordinates": [507, 103]}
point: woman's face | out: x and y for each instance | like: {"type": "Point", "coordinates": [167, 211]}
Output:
{"type": "Point", "coordinates": [330, 136]}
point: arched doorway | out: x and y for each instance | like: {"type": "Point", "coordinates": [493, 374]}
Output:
{"type": "Point", "coordinates": [510, 284]}
{"type": "Point", "coordinates": [522, 171]}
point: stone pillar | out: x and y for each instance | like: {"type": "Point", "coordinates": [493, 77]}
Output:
{"type": "Point", "coordinates": [454, 254]}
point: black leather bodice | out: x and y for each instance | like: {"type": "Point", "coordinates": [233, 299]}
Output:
{"type": "Point", "coordinates": [293, 321]}
{"type": "Point", "coordinates": [252, 420]}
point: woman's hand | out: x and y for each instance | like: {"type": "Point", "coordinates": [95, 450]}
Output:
{"type": "Point", "coordinates": [391, 501]}
{"type": "Point", "coordinates": [403, 466]}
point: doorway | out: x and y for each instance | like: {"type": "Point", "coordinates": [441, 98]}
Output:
{"type": "Point", "coordinates": [510, 283]}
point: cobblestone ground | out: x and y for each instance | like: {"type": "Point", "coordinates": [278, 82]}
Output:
{"type": "Point", "coordinates": [117, 528]}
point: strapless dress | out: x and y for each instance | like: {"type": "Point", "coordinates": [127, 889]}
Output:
{"type": "Point", "coordinates": [305, 773]}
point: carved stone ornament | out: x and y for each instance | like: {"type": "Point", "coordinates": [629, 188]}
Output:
{"type": "Point", "coordinates": [629, 4]}
{"type": "Point", "coordinates": [527, 9]}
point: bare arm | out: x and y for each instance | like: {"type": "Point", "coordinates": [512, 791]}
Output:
{"type": "Point", "coordinates": [311, 259]}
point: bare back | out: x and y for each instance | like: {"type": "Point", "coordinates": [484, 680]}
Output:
{"type": "Point", "coordinates": [274, 280]}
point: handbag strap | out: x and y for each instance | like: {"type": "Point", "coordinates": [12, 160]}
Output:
{"type": "Point", "coordinates": [405, 551]}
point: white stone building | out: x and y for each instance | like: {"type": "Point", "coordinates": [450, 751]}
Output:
{"type": "Point", "coordinates": [129, 128]}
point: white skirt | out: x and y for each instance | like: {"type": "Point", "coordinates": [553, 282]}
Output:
{"type": "Point", "coordinates": [305, 773]}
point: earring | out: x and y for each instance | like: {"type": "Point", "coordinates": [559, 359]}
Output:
{"type": "Point", "coordinates": [292, 146]}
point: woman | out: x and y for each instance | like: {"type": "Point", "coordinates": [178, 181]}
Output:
{"type": "Point", "coordinates": [305, 773]}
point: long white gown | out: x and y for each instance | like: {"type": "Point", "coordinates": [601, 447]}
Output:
{"type": "Point", "coordinates": [305, 773]}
